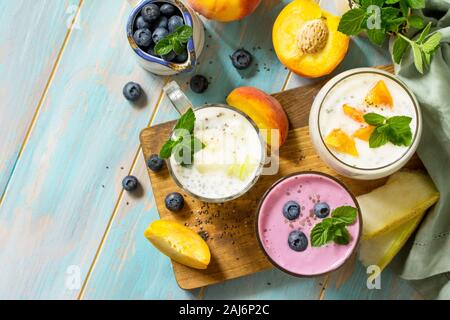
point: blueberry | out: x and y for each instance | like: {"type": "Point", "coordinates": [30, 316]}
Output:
{"type": "Point", "coordinates": [130, 183]}
{"type": "Point", "coordinates": [175, 22]}
{"type": "Point", "coordinates": [321, 210]}
{"type": "Point", "coordinates": [241, 59]}
{"type": "Point", "coordinates": [182, 57]}
{"type": "Point", "coordinates": [143, 37]}
{"type": "Point", "coordinates": [155, 163]}
{"type": "Point", "coordinates": [162, 22]}
{"type": "Point", "coordinates": [141, 23]}
{"type": "Point", "coordinates": [150, 12]}
{"type": "Point", "coordinates": [159, 34]}
{"type": "Point", "coordinates": [297, 241]}
{"type": "Point", "coordinates": [151, 50]}
{"type": "Point", "coordinates": [291, 210]}
{"type": "Point", "coordinates": [132, 91]}
{"type": "Point", "coordinates": [167, 9]}
{"type": "Point", "coordinates": [169, 57]}
{"type": "Point", "coordinates": [174, 201]}
{"type": "Point", "coordinates": [199, 83]}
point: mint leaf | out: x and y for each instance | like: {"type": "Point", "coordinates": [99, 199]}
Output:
{"type": "Point", "coordinates": [404, 7]}
{"type": "Point", "coordinates": [166, 150]}
{"type": "Point", "coordinates": [351, 21]}
{"type": "Point", "coordinates": [184, 33]}
{"type": "Point", "coordinates": [163, 47]}
{"type": "Point", "coordinates": [378, 138]}
{"type": "Point", "coordinates": [366, 3]}
{"type": "Point", "coordinates": [432, 43]}
{"type": "Point", "coordinates": [374, 119]}
{"type": "Point", "coordinates": [187, 121]}
{"type": "Point", "coordinates": [417, 53]}
{"type": "Point", "coordinates": [415, 21]}
{"type": "Point", "coordinates": [391, 1]}
{"type": "Point", "coordinates": [399, 49]}
{"type": "Point", "coordinates": [377, 36]}
{"type": "Point", "coordinates": [342, 236]}
{"type": "Point", "coordinates": [399, 132]}
{"type": "Point", "coordinates": [177, 46]}
{"type": "Point", "coordinates": [389, 13]}
{"type": "Point", "coordinates": [424, 33]}
{"type": "Point", "coordinates": [416, 4]}
{"type": "Point", "coordinates": [321, 233]}
{"type": "Point", "coordinates": [345, 214]}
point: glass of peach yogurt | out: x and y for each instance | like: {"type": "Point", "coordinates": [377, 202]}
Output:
{"type": "Point", "coordinates": [365, 123]}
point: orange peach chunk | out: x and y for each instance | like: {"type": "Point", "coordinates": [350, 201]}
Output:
{"type": "Point", "coordinates": [263, 109]}
{"type": "Point", "coordinates": [364, 133]}
{"type": "Point", "coordinates": [379, 95]}
{"type": "Point", "coordinates": [341, 142]}
{"type": "Point", "coordinates": [224, 10]}
{"type": "Point", "coordinates": [353, 113]}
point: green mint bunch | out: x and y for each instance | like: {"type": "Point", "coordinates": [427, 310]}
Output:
{"type": "Point", "coordinates": [334, 228]}
{"type": "Point", "coordinates": [395, 130]}
{"type": "Point", "coordinates": [176, 41]}
{"type": "Point", "coordinates": [182, 144]}
{"type": "Point", "coordinates": [383, 18]}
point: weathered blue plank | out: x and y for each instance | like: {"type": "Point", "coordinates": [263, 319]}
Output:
{"type": "Point", "coordinates": [68, 180]}
{"type": "Point", "coordinates": [32, 34]}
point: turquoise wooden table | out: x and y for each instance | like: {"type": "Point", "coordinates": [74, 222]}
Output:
{"type": "Point", "coordinates": [68, 137]}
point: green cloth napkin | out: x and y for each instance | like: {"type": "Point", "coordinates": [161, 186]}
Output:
{"type": "Point", "coordinates": [427, 258]}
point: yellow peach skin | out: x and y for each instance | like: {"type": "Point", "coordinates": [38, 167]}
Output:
{"type": "Point", "coordinates": [306, 39]}
{"type": "Point", "coordinates": [224, 10]}
{"type": "Point", "coordinates": [262, 108]}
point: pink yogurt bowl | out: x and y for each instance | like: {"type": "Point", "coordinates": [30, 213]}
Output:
{"type": "Point", "coordinates": [273, 229]}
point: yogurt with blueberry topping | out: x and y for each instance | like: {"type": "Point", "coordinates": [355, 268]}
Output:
{"type": "Point", "coordinates": [284, 233]}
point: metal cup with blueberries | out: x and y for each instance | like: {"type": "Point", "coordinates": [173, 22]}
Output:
{"type": "Point", "coordinates": [165, 35]}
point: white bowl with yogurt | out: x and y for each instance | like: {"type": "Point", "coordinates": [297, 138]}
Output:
{"type": "Point", "coordinates": [233, 157]}
{"type": "Point", "coordinates": [350, 88]}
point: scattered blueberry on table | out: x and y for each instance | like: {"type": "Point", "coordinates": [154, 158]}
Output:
{"type": "Point", "coordinates": [241, 59]}
{"type": "Point", "coordinates": [174, 201]}
{"type": "Point", "coordinates": [321, 210]}
{"type": "Point", "coordinates": [132, 91]}
{"type": "Point", "coordinates": [297, 241]}
{"type": "Point", "coordinates": [291, 210]}
{"type": "Point", "coordinates": [130, 183]}
{"type": "Point", "coordinates": [199, 83]}
{"type": "Point", "coordinates": [155, 163]}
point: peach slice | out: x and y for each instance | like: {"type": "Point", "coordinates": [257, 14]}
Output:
{"type": "Point", "coordinates": [224, 10]}
{"type": "Point", "coordinates": [306, 39]}
{"type": "Point", "coordinates": [364, 133]}
{"type": "Point", "coordinates": [341, 142]}
{"type": "Point", "coordinates": [379, 95]}
{"type": "Point", "coordinates": [263, 109]}
{"type": "Point", "coordinates": [353, 113]}
{"type": "Point", "coordinates": [179, 243]}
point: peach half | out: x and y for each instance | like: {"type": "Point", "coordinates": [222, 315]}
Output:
{"type": "Point", "coordinates": [224, 10]}
{"type": "Point", "coordinates": [307, 41]}
{"type": "Point", "coordinates": [263, 109]}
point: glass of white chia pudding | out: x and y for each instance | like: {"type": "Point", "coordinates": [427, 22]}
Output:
{"type": "Point", "coordinates": [365, 123]}
{"type": "Point", "coordinates": [232, 157]}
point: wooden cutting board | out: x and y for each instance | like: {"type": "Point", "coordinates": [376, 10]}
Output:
{"type": "Point", "coordinates": [231, 226]}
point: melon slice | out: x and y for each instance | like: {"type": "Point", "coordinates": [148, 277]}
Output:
{"type": "Point", "coordinates": [382, 249]}
{"type": "Point", "coordinates": [364, 133]}
{"type": "Point", "coordinates": [405, 196]}
{"type": "Point", "coordinates": [353, 113]}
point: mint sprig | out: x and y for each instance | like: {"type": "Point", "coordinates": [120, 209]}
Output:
{"type": "Point", "coordinates": [394, 129]}
{"type": "Point", "coordinates": [182, 144]}
{"type": "Point", "coordinates": [382, 18]}
{"type": "Point", "coordinates": [334, 228]}
{"type": "Point", "coordinates": [175, 41]}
